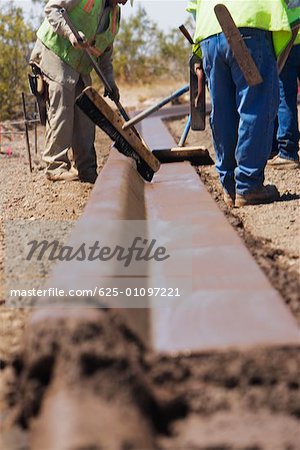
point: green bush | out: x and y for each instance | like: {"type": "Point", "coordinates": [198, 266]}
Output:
{"type": "Point", "coordinates": [142, 52]}
{"type": "Point", "coordinates": [16, 38]}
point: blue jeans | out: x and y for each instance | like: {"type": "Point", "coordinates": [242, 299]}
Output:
{"type": "Point", "coordinates": [242, 118]}
{"type": "Point", "coordinates": [286, 135]}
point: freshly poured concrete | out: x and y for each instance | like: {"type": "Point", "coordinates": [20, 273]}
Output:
{"type": "Point", "coordinates": [231, 304]}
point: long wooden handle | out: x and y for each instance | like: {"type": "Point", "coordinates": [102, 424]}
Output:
{"type": "Point", "coordinates": [238, 46]}
{"type": "Point", "coordinates": [285, 54]}
{"type": "Point", "coordinates": [186, 34]}
{"type": "Point", "coordinates": [93, 61]}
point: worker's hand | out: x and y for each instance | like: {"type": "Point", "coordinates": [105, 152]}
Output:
{"type": "Point", "coordinates": [115, 94]}
{"type": "Point", "coordinates": [197, 66]}
{"type": "Point", "coordinates": [76, 43]}
{"type": "Point", "coordinates": [94, 51]}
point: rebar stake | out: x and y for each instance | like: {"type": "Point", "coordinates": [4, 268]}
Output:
{"type": "Point", "coordinates": [35, 127]}
{"type": "Point", "coordinates": [26, 132]}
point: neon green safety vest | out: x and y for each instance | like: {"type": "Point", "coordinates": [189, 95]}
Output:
{"type": "Point", "coordinates": [271, 15]}
{"type": "Point", "coordinates": [85, 17]}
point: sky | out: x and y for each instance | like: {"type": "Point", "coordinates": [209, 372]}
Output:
{"type": "Point", "coordinates": [166, 13]}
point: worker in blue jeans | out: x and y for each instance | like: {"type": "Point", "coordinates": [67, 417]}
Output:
{"type": "Point", "coordinates": [242, 118]}
{"type": "Point", "coordinates": [286, 136]}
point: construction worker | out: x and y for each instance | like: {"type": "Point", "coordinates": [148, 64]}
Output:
{"type": "Point", "coordinates": [65, 69]}
{"type": "Point", "coordinates": [286, 135]}
{"type": "Point", "coordinates": [242, 118]}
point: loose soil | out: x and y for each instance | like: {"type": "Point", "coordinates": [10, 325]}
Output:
{"type": "Point", "coordinates": [210, 401]}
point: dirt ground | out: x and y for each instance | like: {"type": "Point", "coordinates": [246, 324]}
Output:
{"type": "Point", "coordinates": [231, 400]}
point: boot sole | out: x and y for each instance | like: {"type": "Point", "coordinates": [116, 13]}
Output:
{"type": "Point", "coordinates": [241, 202]}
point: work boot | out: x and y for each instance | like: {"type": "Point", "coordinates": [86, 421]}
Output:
{"type": "Point", "coordinates": [282, 163]}
{"type": "Point", "coordinates": [272, 155]}
{"type": "Point", "coordinates": [264, 194]}
{"type": "Point", "coordinates": [66, 175]}
{"type": "Point", "coordinates": [229, 199]}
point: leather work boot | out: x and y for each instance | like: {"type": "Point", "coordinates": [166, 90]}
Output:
{"type": "Point", "coordinates": [229, 199]}
{"type": "Point", "coordinates": [66, 175]}
{"type": "Point", "coordinates": [264, 194]}
{"type": "Point", "coordinates": [282, 163]}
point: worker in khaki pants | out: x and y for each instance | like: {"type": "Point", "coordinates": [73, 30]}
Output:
{"type": "Point", "coordinates": [65, 69]}
{"type": "Point", "coordinates": [242, 118]}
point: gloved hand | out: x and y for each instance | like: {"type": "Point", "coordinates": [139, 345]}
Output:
{"type": "Point", "coordinates": [76, 43]}
{"type": "Point", "coordinates": [115, 94]}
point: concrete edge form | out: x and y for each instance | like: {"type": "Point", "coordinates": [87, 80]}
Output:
{"type": "Point", "coordinates": [232, 304]}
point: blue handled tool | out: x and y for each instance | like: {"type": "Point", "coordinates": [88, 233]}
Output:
{"type": "Point", "coordinates": [155, 107]}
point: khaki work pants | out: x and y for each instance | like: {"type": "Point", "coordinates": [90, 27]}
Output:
{"type": "Point", "coordinates": [68, 128]}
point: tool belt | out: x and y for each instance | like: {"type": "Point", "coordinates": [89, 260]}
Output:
{"type": "Point", "coordinates": [39, 89]}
